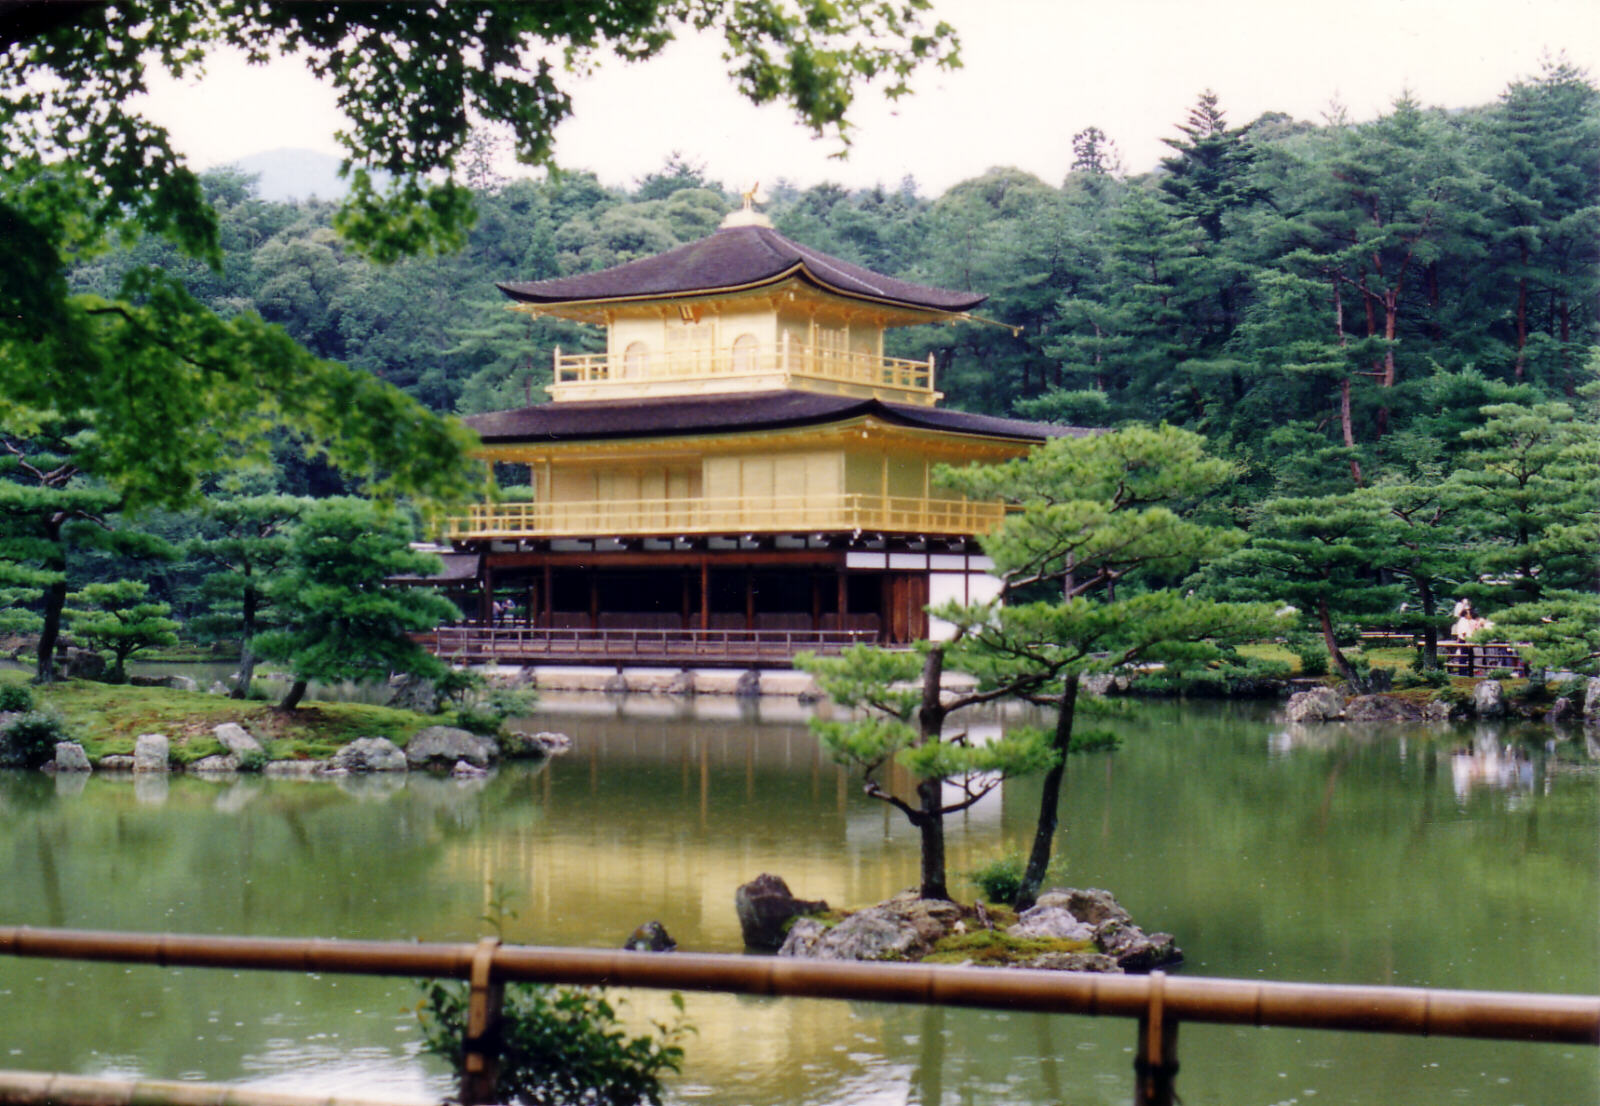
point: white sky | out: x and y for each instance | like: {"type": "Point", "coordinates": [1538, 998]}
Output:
{"type": "Point", "coordinates": [1036, 72]}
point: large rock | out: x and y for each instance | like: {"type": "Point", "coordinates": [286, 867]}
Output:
{"type": "Point", "coordinates": [150, 752]}
{"type": "Point", "coordinates": [749, 685]}
{"type": "Point", "coordinates": [1111, 929]}
{"type": "Point", "coordinates": [1560, 711]}
{"type": "Point", "coordinates": [116, 762]}
{"type": "Point", "coordinates": [295, 769]}
{"type": "Point", "coordinates": [1489, 699]}
{"type": "Point", "coordinates": [369, 754]}
{"type": "Point", "coordinates": [183, 683]}
{"type": "Point", "coordinates": [238, 741]}
{"type": "Point", "coordinates": [1051, 921]}
{"type": "Point", "coordinates": [1074, 962]}
{"type": "Point", "coordinates": [533, 746]}
{"type": "Point", "coordinates": [70, 757]}
{"type": "Point", "coordinates": [901, 929]}
{"type": "Point", "coordinates": [83, 664]}
{"type": "Point", "coordinates": [1381, 708]}
{"type": "Point", "coordinates": [1591, 698]}
{"type": "Point", "coordinates": [1090, 905]}
{"type": "Point", "coordinates": [446, 745]}
{"type": "Point", "coordinates": [1320, 704]}
{"type": "Point", "coordinates": [408, 692]}
{"type": "Point", "coordinates": [1442, 710]}
{"type": "Point", "coordinates": [765, 906]}
{"type": "Point", "coordinates": [1133, 949]}
{"type": "Point", "coordinates": [219, 764]}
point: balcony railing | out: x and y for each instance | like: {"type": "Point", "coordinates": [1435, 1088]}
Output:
{"type": "Point", "coordinates": [595, 375]}
{"type": "Point", "coordinates": [732, 515]}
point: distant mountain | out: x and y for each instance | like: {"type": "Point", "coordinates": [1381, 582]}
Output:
{"type": "Point", "coordinates": [287, 175]}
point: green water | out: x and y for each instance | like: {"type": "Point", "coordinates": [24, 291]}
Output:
{"type": "Point", "coordinates": [1376, 856]}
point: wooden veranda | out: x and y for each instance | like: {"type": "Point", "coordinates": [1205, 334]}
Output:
{"type": "Point", "coordinates": [524, 643]}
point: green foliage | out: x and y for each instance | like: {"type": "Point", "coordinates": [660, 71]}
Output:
{"type": "Point", "coordinates": [15, 697]}
{"type": "Point", "coordinates": [341, 619]}
{"type": "Point", "coordinates": [1427, 677]}
{"type": "Point", "coordinates": [557, 1045]}
{"type": "Point", "coordinates": [1313, 659]}
{"type": "Point", "coordinates": [1094, 741]}
{"type": "Point", "coordinates": [486, 711]}
{"type": "Point", "coordinates": [117, 618]}
{"type": "Point", "coordinates": [33, 737]}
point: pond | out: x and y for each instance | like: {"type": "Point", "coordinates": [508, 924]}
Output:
{"type": "Point", "coordinates": [1446, 857]}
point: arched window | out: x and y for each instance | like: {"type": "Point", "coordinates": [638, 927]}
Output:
{"type": "Point", "coordinates": [635, 361]}
{"type": "Point", "coordinates": [744, 353]}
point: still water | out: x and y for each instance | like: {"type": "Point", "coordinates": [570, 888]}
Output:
{"type": "Point", "coordinates": [1443, 857]}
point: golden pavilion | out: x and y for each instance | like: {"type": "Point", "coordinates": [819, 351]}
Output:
{"type": "Point", "coordinates": [741, 475]}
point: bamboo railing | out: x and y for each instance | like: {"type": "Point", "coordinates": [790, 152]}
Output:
{"type": "Point", "coordinates": [1160, 1003]}
{"type": "Point", "coordinates": [38, 1088]}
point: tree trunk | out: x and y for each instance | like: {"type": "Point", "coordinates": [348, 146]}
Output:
{"type": "Point", "coordinates": [1339, 660]}
{"type": "Point", "coordinates": [1430, 632]}
{"type": "Point", "coordinates": [1044, 832]}
{"type": "Point", "coordinates": [247, 656]}
{"type": "Point", "coordinates": [55, 601]}
{"type": "Point", "coordinates": [292, 697]}
{"type": "Point", "coordinates": [1522, 319]}
{"type": "Point", "coordinates": [931, 827]}
{"type": "Point", "coordinates": [1348, 428]}
{"type": "Point", "coordinates": [930, 722]}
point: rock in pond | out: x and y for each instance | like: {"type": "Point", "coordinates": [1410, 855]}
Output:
{"type": "Point", "coordinates": [900, 929]}
{"type": "Point", "coordinates": [215, 765]}
{"type": "Point", "coordinates": [465, 770]}
{"type": "Point", "coordinates": [70, 757]}
{"type": "Point", "coordinates": [1489, 699]}
{"type": "Point", "coordinates": [1591, 698]}
{"type": "Point", "coordinates": [116, 762]}
{"type": "Point", "coordinates": [150, 752]}
{"type": "Point", "coordinates": [446, 745]}
{"type": "Point", "coordinates": [533, 746]}
{"type": "Point", "coordinates": [765, 907]}
{"type": "Point", "coordinates": [650, 937]}
{"type": "Point", "coordinates": [1051, 921]}
{"type": "Point", "coordinates": [1320, 704]}
{"type": "Point", "coordinates": [369, 754]}
{"type": "Point", "coordinates": [1381, 708]}
{"type": "Point", "coordinates": [238, 740]}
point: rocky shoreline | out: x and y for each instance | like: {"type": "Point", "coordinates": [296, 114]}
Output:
{"type": "Point", "coordinates": [460, 753]}
{"type": "Point", "coordinates": [1488, 700]}
{"type": "Point", "coordinates": [1068, 929]}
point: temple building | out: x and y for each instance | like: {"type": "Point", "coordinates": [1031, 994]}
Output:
{"type": "Point", "coordinates": [740, 475]}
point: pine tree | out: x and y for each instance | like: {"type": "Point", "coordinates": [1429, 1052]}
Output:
{"type": "Point", "coordinates": [119, 618]}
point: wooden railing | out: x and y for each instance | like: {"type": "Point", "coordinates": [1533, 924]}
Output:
{"type": "Point", "coordinates": [784, 514]}
{"type": "Point", "coordinates": [1466, 658]}
{"type": "Point", "coordinates": [594, 375]}
{"type": "Point", "coordinates": [1158, 1002]}
{"type": "Point", "coordinates": [522, 642]}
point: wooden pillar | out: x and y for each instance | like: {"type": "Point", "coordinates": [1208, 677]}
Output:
{"type": "Point", "coordinates": [1155, 1063]}
{"type": "Point", "coordinates": [594, 600]}
{"type": "Point", "coordinates": [486, 598]}
{"type": "Point", "coordinates": [549, 595]}
{"type": "Point", "coordinates": [844, 595]}
{"type": "Point", "coordinates": [749, 599]}
{"type": "Point", "coordinates": [705, 592]}
{"type": "Point", "coordinates": [480, 1066]}
{"type": "Point", "coordinates": [686, 604]}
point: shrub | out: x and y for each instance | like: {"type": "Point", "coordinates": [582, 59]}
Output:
{"type": "Point", "coordinates": [557, 1045]}
{"type": "Point", "coordinates": [1427, 677]}
{"type": "Point", "coordinates": [486, 712]}
{"type": "Point", "coordinates": [33, 737]}
{"type": "Point", "coordinates": [15, 697]}
{"type": "Point", "coordinates": [1313, 660]}
{"type": "Point", "coordinates": [1000, 879]}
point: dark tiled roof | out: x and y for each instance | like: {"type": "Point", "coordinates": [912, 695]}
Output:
{"type": "Point", "coordinates": [598, 420]}
{"type": "Point", "coordinates": [458, 567]}
{"type": "Point", "coordinates": [736, 257]}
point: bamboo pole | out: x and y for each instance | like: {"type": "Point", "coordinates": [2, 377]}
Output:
{"type": "Point", "coordinates": [1571, 1019]}
{"type": "Point", "coordinates": [30, 1088]}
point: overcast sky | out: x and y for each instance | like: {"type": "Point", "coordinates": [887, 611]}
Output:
{"type": "Point", "coordinates": [1036, 72]}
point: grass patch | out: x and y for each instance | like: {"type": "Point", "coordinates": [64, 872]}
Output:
{"type": "Point", "coordinates": [1271, 651]}
{"type": "Point", "coordinates": [987, 947]}
{"type": "Point", "coordinates": [108, 718]}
